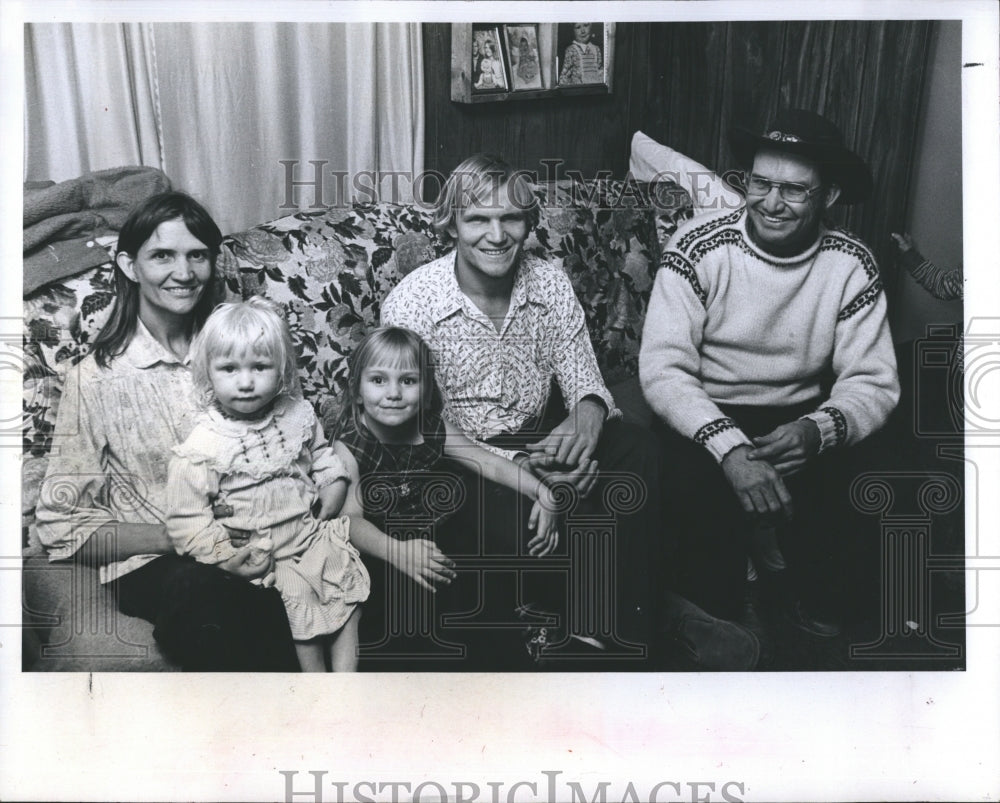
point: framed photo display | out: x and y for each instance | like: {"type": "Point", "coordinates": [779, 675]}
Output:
{"type": "Point", "coordinates": [489, 70]}
{"type": "Point", "coordinates": [582, 53]}
{"type": "Point", "coordinates": [525, 61]}
{"type": "Point", "coordinates": [493, 62]}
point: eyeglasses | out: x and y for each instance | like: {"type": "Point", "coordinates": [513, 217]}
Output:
{"type": "Point", "coordinates": [795, 193]}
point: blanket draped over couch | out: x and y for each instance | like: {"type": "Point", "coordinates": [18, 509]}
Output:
{"type": "Point", "coordinates": [62, 220]}
{"type": "Point", "coordinates": [330, 270]}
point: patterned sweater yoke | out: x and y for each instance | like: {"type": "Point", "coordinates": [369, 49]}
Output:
{"type": "Point", "coordinates": [731, 324]}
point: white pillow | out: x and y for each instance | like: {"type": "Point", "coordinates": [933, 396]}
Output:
{"type": "Point", "coordinates": [651, 161]}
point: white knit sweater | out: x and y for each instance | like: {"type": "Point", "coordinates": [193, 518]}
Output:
{"type": "Point", "coordinates": [729, 323]}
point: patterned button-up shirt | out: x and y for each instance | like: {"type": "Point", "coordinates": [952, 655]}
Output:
{"type": "Point", "coordinates": [114, 433]}
{"type": "Point", "coordinates": [496, 382]}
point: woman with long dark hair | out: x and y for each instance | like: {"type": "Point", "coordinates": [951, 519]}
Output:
{"type": "Point", "coordinates": [124, 407]}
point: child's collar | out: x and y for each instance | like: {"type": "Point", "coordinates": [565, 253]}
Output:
{"type": "Point", "coordinates": [261, 414]}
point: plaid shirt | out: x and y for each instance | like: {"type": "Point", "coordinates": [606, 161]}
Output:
{"type": "Point", "coordinates": [401, 483]}
{"type": "Point", "coordinates": [499, 382]}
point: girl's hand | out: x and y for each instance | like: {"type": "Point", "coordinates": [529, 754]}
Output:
{"type": "Point", "coordinates": [331, 499]}
{"type": "Point", "coordinates": [261, 551]}
{"type": "Point", "coordinates": [422, 561]}
{"type": "Point", "coordinates": [545, 523]}
{"type": "Point", "coordinates": [248, 566]}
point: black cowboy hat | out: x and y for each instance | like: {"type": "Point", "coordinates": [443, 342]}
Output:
{"type": "Point", "coordinates": [812, 136]}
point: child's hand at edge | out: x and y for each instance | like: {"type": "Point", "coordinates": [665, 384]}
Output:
{"type": "Point", "coordinates": [331, 499]}
{"type": "Point", "coordinates": [904, 242]}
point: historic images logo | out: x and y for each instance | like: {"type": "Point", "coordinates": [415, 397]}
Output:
{"type": "Point", "coordinates": [314, 787]}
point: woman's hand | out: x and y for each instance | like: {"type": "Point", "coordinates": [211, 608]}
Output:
{"type": "Point", "coordinates": [422, 561]}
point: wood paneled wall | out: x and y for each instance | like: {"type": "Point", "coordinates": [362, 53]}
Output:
{"type": "Point", "coordinates": [685, 84]}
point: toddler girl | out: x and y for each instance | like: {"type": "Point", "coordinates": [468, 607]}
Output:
{"type": "Point", "coordinates": [257, 471]}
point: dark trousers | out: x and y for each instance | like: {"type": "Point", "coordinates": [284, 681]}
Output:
{"type": "Point", "coordinates": [598, 582]}
{"type": "Point", "coordinates": [469, 625]}
{"type": "Point", "coordinates": [601, 578]}
{"type": "Point", "coordinates": [713, 530]}
{"type": "Point", "coordinates": [208, 620]}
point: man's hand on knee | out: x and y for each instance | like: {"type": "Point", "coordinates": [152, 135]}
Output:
{"type": "Point", "coordinates": [757, 484]}
{"type": "Point", "coordinates": [564, 455]}
{"type": "Point", "coordinates": [573, 441]}
{"type": "Point", "coordinates": [582, 477]}
{"type": "Point", "coordinates": [789, 446]}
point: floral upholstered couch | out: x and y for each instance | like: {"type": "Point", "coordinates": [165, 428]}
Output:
{"type": "Point", "coordinates": [331, 271]}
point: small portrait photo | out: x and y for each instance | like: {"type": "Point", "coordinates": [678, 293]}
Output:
{"type": "Point", "coordinates": [580, 48]}
{"type": "Point", "coordinates": [488, 73]}
{"type": "Point", "coordinates": [525, 67]}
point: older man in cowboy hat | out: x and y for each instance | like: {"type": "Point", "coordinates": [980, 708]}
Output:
{"type": "Point", "coordinates": [766, 350]}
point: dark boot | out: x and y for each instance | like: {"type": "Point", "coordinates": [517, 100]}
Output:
{"type": "Point", "coordinates": [781, 596]}
{"type": "Point", "coordinates": [707, 643]}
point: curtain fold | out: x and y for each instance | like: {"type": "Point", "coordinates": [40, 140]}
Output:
{"type": "Point", "coordinates": [89, 102]}
{"type": "Point", "coordinates": [390, 133]}
{"type": "Point", "coordinates": [234, 113]}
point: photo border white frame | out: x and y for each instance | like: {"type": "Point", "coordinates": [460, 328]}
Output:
{"type": "Point", "coordinates": [843, 736]}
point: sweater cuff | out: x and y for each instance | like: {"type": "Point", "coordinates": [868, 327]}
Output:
{"type": "Point", "coordinates": [832, 427]}
{"type": "Point", "coordinates": [720, 437]}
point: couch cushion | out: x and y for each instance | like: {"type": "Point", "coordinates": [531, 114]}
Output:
{"type": "Point", "coordinates": [604, 235]}
{"type": "Point", "coordinates": [59, 323]}
{"type": "Point", "coordinates": [651, 161]}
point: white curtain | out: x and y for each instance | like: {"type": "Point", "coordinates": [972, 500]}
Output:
{"type": "Point", "coordinates": [231, 112]}
{"type": "Point", "coordinates": [89, 99]}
